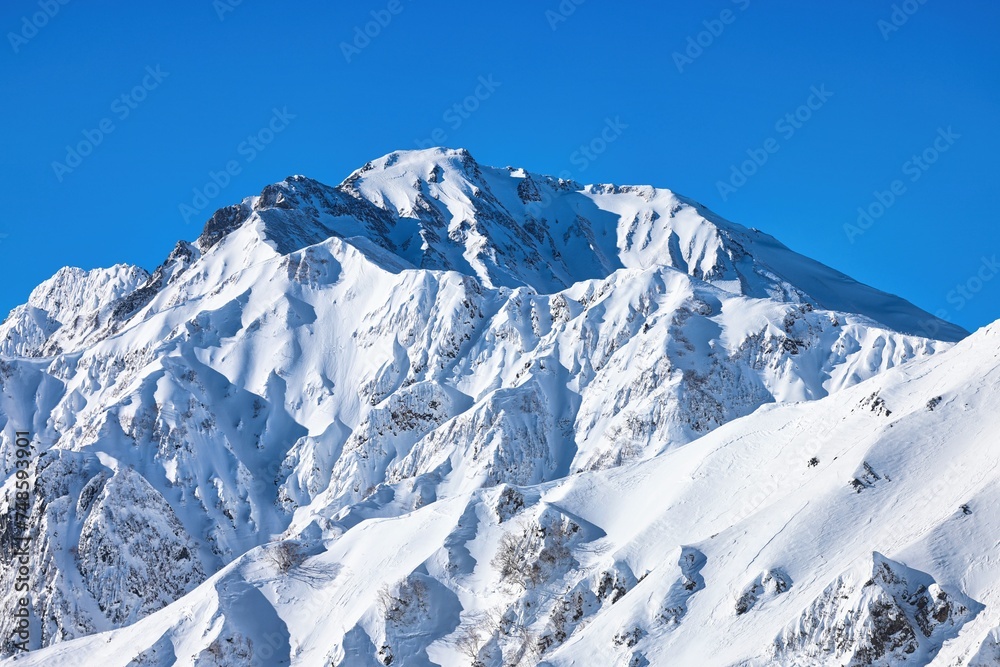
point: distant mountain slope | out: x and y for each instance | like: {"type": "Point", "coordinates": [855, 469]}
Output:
{"type": "Point", "coordinates": [67, 310]}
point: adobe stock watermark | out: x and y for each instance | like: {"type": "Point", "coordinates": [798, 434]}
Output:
{"type": "Point", "coordinates": [966, 291]}
{"type": "Point", "coordinates": [913, 169]}
{"type": "Point", "coordinates": [33, 23]}
{"type": "Point", "coordinates": [223, 7]}
{"type": "Point", "coordinates": [786, 127]}
{"type": "Point", "coordinates": [582, 158]}
{"type": "Point", "coordinates": [587, 153]}
{"type": "Point", "coordinates": [121, 108]}
{"type": "Point", "coordinates": [247, 150]}
{"type": "Point", "coordinates": [459, 112]}
{"type": "Point", "coordinates": [962, 293]}
{"type": "Point", "coordinates": [900, 15]}
{"type": "Point", "coordinates": [363, 35]}
{"type": "Point", "coordinates": [696, 44]}
{"type": "Point", "coordinates": [20, 541]}
{"type": "Point", "coordinates": [562, 13]}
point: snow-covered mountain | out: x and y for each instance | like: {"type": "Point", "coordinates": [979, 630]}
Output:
{"type": "Point", "coordinates": [302, 399]}
{"type": "Point", "coordinates": [67, 310]}
{"type": "Point", "coordinates": [859, 529]}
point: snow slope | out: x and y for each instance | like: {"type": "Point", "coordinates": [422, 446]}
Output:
{"type": "Point", "coordinates": [321, 360]}
{"type": "Point", "coordinates": [66, 310]}
{"type": "Point", "coordinates": [733, 550]}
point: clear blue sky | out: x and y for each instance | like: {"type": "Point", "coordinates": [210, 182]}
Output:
{"type": "Point", "coordinates": [555, 83]}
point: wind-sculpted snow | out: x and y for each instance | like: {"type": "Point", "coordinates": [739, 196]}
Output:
{"type": "Point", "coordinates": [66, 310]}
{"type": "Point", "coordinates": [421, 346]}
{"type": "Point", "coordinates": [693, 557]}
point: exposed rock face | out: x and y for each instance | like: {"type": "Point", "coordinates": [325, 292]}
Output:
{"type": "Point", "coordinates": [107, 549]}
{"type": "Point", "coordinates": [899, 616]}
{"type": "Point", "coordinates": [67, 311]}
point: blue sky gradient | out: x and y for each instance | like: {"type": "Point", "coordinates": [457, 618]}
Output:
{"type": "Point", "coordinates": [861, 134]}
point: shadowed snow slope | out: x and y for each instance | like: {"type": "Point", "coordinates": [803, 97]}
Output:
{"type": "Point", "coordinates": [373, 370]}
{"type": "Point", "coordinates": [859, 529]}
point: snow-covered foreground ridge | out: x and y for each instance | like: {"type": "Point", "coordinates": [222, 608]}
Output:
{"type": "Point", "coordinates": [859, 529]}
{"type": "Point", "coordinates": [434, 415]}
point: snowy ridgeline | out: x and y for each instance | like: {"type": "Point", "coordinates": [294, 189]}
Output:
{"type": "Point", "coordinates": [363, 409]}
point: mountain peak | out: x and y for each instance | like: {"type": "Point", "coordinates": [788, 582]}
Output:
{"type": "Point", "coordinates": [435, 332]}
{"type": "Point", "coordinates": [439, 209]}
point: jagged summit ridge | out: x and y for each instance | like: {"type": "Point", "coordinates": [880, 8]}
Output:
{"type": "Point", "coordinates": [439, 209]}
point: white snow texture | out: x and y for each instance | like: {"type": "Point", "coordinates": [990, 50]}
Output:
{"type": "Point", "coordinates": [447, 414]}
